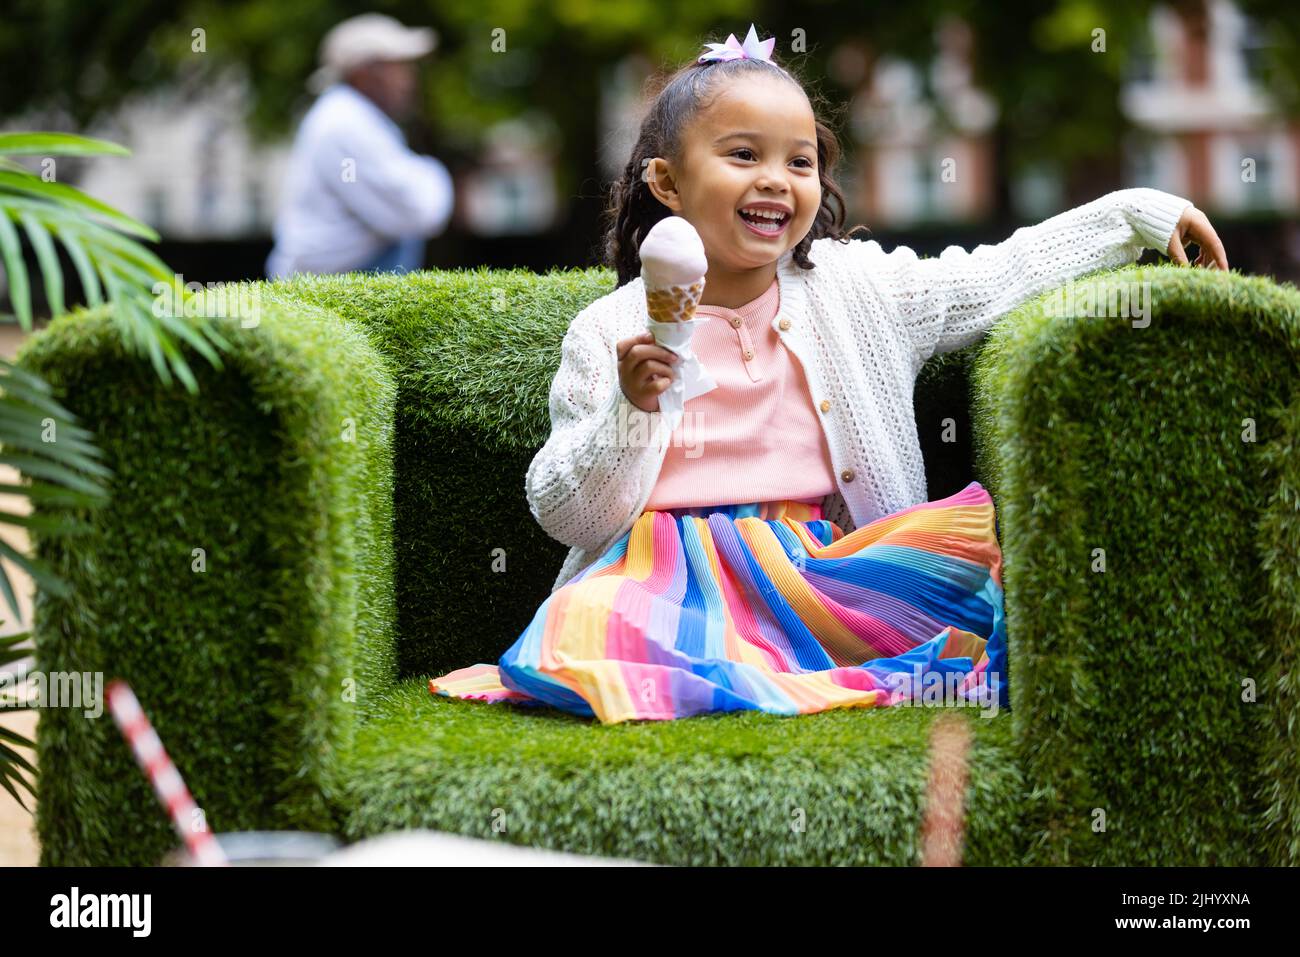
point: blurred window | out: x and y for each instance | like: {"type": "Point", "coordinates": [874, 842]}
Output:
{"type": "Point", "coordinates": [1141, 66]}
{"type": "Point", "coordinates": [1253, 48]}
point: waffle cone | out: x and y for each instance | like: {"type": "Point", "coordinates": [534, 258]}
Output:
{"type": "Point", "coordinates": [674, 303]}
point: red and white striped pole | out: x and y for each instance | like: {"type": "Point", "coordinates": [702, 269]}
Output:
{"type": "Point", "coordinates": [166, 780]}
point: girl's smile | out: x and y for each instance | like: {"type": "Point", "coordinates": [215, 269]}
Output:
{"type": "Point", "coordinates": [768, 220]}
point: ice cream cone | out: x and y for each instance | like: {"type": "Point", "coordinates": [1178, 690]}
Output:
{"type": "Point", "coordinates": [673, 270]}
{"type": "Point", "coordinates": [674, 303]}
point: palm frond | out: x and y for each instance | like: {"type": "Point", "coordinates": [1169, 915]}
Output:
{"type": "Point", "coordinates": [11, 251]}
{"type": "Point", "coordinates": [60, 194]}
{"type": "Point", "coordinates": [110, 262]}
{"type": "Point", "coordinates": [39, 143]}
{"type": "Point", "coordinates": [60, 466]}
{"type": "Point", "coordinates": [51, 271]}
{"type": "Point", "coordinates": [14, 648]}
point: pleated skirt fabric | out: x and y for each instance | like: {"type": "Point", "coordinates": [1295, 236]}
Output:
{"type": "Point", "coordinates": [767, 606]}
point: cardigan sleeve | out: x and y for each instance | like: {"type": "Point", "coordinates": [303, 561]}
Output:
{"type": "Point", "coordinates": [587, 479]}
{"type": "Point", "coordinates": [950, 301]}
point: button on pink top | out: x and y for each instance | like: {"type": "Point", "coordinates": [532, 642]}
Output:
{"type": "Point", "coordinates": [755, 438]}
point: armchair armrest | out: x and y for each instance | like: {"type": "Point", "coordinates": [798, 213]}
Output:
{"type": "Point", "coordinates": [240, 577]}
{"type": "Point", "coordinates": [1146, 483]}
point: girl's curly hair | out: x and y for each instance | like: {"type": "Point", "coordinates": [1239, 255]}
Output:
{"type": "Point", "coordinates": [633, 209]}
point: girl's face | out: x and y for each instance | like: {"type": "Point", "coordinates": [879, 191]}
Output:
{"type": "Point", "coordinates": [755, 145]}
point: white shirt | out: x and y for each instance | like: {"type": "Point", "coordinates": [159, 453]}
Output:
{"type": "Point", "coordinates": [862, 324]}
{"type": "Point", "coordinates": [352, 188]}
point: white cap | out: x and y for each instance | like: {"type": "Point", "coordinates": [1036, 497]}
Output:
{"type": "Point", "coordinates": [365, 39]}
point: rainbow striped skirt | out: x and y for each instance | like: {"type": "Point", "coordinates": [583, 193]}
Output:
{"type": "Point", "coordinates": [767, 607]}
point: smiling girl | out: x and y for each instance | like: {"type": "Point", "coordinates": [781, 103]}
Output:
{"type": "Point", "coordinates": [785, 559]}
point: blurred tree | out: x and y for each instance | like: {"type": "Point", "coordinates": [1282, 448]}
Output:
{"type": "Point", "coordinates": [1278, 26]}
{"type": "Point", "coordinates": [1055, 77]}
{"type": "Point", "coordinates": [1056, 72]}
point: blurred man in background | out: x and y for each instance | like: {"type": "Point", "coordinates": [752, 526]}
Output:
{"type": "Point", "coordinates": [355, 197]}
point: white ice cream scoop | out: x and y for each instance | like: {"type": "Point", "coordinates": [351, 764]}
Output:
{"type": "Point", "coordinates": [673, 265]}
{"type": "Point", "coordinates": [672, 254]}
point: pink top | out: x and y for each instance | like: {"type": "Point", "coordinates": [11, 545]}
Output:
{"type": "Point", "coordinates": [757, 436]}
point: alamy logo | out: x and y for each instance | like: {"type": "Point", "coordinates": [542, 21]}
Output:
{"type": "Point", "coordinates": [1090, 300]}
{"type": "Point", "coordinates": [102, 910]}
{"type": "Point", "coordinates": [55, 689]}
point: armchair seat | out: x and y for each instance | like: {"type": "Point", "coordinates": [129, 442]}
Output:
{"type": "Point", "coordinates": [839, 787]}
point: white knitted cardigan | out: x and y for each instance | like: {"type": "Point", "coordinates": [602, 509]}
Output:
{"type": "Point", "coordinates": [861, 324]}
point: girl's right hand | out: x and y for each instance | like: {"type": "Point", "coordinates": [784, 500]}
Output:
{"type": "Point", "coordinates": [644, 370]}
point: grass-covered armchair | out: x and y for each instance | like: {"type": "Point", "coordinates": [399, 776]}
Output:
{"type": "Point", "coordinates": [339, 515]}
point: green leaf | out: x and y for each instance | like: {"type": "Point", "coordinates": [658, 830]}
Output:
{"type": "Point", "coordinates": [194, 333]}
{"type": "Point", "coordinates": [19, 290]}
{"type": "Point", "coordinates": [13, 648]}
{"type": "Point", "coordinates": [10, 597]}
{"type": "Point", "coordinates": [48, 258]}
{"type": "Point", "coordinates": [98, 235]}
{"type": "Point", "coordinates": [14, 379]}
{"type": "Point", "coordinates": [85, 271]}
{"type": "Point", "coordinates": [148, 336]}
{"type": "Point", "coordinates": [43, 468]}
{"type": "Point", "coordinates": [178, 364]}
{"type": "Point", "coordinates": [29, 410]}
{"type": "Point", "coordinates": [51, 525]}
{"type": "Point", "coordinates": [24, 418]}
{"type": "Point", "coordinates": [23, 427]}
{"type": "Point", "coordinates": [144, 276]}
{"type": "Point", "coordinates": [16, 758]}
{"type": "Point", "coordinates": [5, 774]}
{"type": "Point", "coordinates": [59, 218]}
{"type": "Point", "coordinates": [18, 372]}
{"type": "Point", "coordinates": [68, 451]}
{"type": "Point", "coordinates": [38, 570]}
{"type": "Point", "coordinates": [8, 641]}
{"type": "Point", "coordinates": [52, 495]}
{"type": "Point", "coordinates": [57, 144]}
{"type": "Point", "coordinates": [16, 387]}
{"type": "Point", "coordinates": [14, 736]}
{"type": "Point", "coordinates": [73, 198]}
